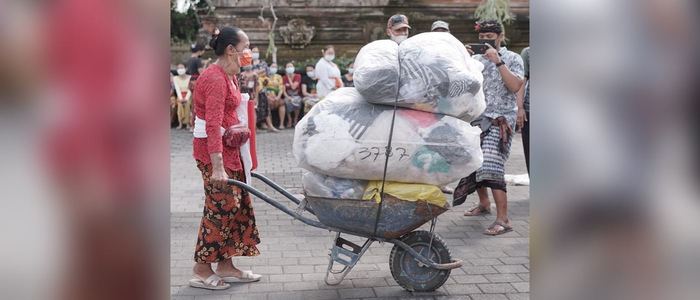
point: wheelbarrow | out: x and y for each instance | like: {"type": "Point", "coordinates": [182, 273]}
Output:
{"type": "Point", "coordinates": [419, 261]}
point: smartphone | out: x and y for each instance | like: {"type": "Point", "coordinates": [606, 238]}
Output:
{"type": "Point", "coordinates": [479, 48]}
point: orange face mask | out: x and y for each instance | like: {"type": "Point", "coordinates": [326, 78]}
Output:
{"type": "Point", "coordinates": [245, 58]}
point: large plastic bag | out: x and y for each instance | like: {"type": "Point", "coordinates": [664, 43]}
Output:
{"type": "Point", "coordinates": [318, 185]}
{"type": "Point", "coordinates": [344, 136]}
{"type": "Point", "coordinates": [437, 75]}
{"type": "Point", "coordinates": [376, 72]}
{"type": "Point", "coordinates": [407, 192]}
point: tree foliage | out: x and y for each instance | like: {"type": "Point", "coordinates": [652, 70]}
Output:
{"type": "Point", "coordinates": [184, 26]}
{"type": "Point", "coordinates": [494, 10]}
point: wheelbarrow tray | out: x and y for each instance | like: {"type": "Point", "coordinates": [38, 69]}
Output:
{"type": "Point", "coordinates": [356, 216]}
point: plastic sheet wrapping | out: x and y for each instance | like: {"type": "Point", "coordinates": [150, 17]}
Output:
{"type": "Point", "coordinates": [344, 136]}
{"type": "Point", "coordinates": [437, 75]}
{"type": "Point", "coordinates": [318, 185]}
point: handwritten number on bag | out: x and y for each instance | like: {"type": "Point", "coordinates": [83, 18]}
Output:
{"type": "Point", "coordinates": [365, 150]}
{"type": "Point", "coordinates": [376, 151]}
{"type": "Point", "coordinates": [403, 152]}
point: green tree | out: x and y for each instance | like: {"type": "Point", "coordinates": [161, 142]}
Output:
{"type": "Point", "coordinates": [184, 26]}
{"type": "Point", "coordinates": [494, 10]}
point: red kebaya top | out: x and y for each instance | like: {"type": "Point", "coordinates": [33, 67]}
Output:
{"type": "Point", "coordinates": [216, 98]}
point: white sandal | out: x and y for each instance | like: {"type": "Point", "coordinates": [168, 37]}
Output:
{"type": "Point", "coordinates": [246, 276]}
{"type": "Point", "coordinates": [213, 282]}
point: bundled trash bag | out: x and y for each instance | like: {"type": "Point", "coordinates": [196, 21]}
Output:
{"type": "Point", "coordinates": [318, 185]}
{"type": "Point", "coordinates": [407, 192]}
{"type": "Point", "coordinates": [376, 74]}
{"type": "Point", "coordinates": [437, 75]}
{"type": "Point", "coordinates": [344, 136]}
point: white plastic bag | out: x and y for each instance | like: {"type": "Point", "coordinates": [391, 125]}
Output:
{"type": "Point", "coordinates": [376, 72]}
{"type": "Point", "coordinates": [344, 136]}
{"type": "Point", "coordinates": [437, 75]}
{"type": "Point", "coordinates": [318, 185]}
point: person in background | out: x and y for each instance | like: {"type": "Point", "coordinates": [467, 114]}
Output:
{"type": "Point", "coordinates": [193, 85]}
{"type": "Point", "coordinates": [523, 119]}
{"type": "Point", "coordinates": [184, 95]}
{"type": "Point", "coordinates": [173, 104]}
{"type": "Point", "coordinates": [347, 78]}
{"type": "Point", "coordinates": [503, 77]}
{"type": "Point", "coordinates": [273, 87]}
{"type": "Point", "coordinates": [195, 62]}
{"type": "Point", "coordinates": [210, 25]}
{"type": "Point", "coordinates": [205, 64]}
{"type": "Point", "coordinates": [227, 228]}
{"type": "Point", "coordinates": [249, 84]}
{"type": "Point", "coordinates": [267, 94]}
{"type": "Point", "coordinates": [292, 94]}
{"type": "Point", "coordinates": [327, 73]}
{"type": "Point", "coordinates": [440, 26]}
{"type": "Point", "coordinates": [262, 110]}
{"type": "Point", "coordinates": [397, 28]}
{"type": "Point", "coordinates": [258, 63]}
{"type": "Point", "coordinates": [308, 88]}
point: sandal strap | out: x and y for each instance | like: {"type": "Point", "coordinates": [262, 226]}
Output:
{"type": "Point", "coordinates": [499, 223]}
{"type": "Point", "coordinates": [213, 280]}
{"type": "Point", "coordinates": [480, 208]}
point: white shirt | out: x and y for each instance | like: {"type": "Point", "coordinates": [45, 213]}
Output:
{"type": "Point", "coordinates": [324, 72]}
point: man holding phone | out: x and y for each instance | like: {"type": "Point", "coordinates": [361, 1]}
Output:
{"type": "Point", "coordinates": [503, 77]}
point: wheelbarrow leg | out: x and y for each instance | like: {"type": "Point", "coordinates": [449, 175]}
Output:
{"type": "Point", "coordinates": [346, 257]}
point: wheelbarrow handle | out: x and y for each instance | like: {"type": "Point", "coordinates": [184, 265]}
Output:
{"type": "Point", "coordinates": [277, 204]}
{"type": "Point", "coordinates": [446, 266]}
{"type": "Point", "coordinates": [278, 188]}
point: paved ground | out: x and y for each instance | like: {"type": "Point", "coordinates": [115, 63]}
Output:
{"type": "Point", "coordinates": [295, 256]}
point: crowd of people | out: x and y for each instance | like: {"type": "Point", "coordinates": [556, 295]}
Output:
{"type": "Point", "coordinates": [282, 96]}
{"type": "Point", "coordinates": [228, 226]}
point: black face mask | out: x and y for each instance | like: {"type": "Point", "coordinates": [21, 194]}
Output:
{"type": "Point", "coordinates": [490, 42]}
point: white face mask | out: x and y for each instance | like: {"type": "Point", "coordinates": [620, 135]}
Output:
{"type": "Point", "coordinates": [273, 71]}
{"type": "Point", "coordinates": [289, 70]}
{"type": "Point", "coordinates": [181, 71]}
{"type": "Point", "coordinates": [329, 57]}
{"type": "Point", "coordinates": [311, 74]}
{"type": "Point", "coordinates": [350, 70]}
{"type": "Point", "coordinates": [256, 55]}
{"type": "Point", "coordinates": [399, 38]}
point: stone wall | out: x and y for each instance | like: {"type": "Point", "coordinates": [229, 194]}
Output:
{"type": "Point", "coordinates": [350, 24]}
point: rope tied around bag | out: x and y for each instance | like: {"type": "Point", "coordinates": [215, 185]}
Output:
{"type": "Point", "coordinates": [388, 149]}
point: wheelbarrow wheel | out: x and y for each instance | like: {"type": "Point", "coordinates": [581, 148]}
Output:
{"type": "Point", "coordinates": [412, 275]}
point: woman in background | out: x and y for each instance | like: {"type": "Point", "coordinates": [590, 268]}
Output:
{"type": "Point", "coordinates": [292, 94]}
{"type": "Point", "coordinates": [184, 95]}
{"type": "Point", "coordinates": [327, 73]}
{"type": "Point", "coordinates": [347, 78]}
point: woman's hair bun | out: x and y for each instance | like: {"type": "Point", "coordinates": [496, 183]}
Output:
{"type": "Point", "coordinates": [214, 41]}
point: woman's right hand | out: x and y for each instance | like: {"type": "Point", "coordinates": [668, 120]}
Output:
{"type": "Point", "coordinates": [218, 176]}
